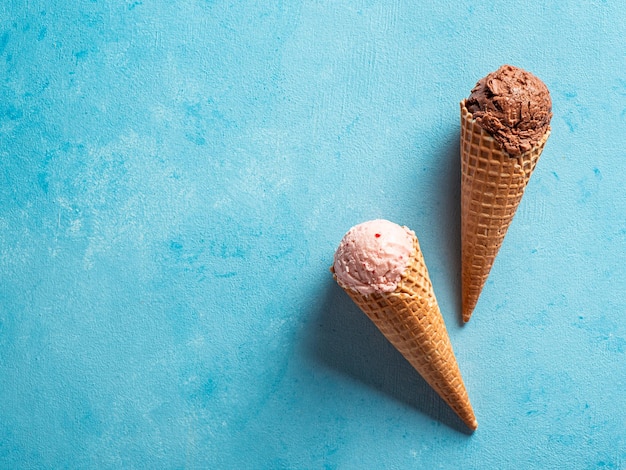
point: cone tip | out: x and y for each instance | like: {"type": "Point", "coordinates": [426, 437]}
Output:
{"type": "Point", "coordinates": [468, 309]}
{"type": "Point", "coordinates": [473, 425]}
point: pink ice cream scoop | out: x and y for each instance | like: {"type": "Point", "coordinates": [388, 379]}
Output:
{"type": "Point", "coordinates": [372, 256]}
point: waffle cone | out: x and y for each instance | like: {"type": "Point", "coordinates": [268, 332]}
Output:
{"type": "Point", "coordinates": [492, 186]}
{"type": "Point", "coordinates": [410, 319]}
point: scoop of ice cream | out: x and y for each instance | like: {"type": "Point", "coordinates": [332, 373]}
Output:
{"type": "Point", "coordinates": [512, 105]}
{"type": "Point", "coordinates": [372, 256]}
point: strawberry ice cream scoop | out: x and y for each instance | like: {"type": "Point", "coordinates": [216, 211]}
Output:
{"type": "Point", "coordinates": [372, 256]}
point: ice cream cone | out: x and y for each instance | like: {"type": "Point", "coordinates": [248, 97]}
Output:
{"type": "Point", "coordinates": [492, 185]}
{"type": "Point", "coordinates": [410, 319]}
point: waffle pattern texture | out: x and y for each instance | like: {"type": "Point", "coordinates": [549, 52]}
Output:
{"type": "Point", "coordinates": [492, 186]}
{"type": "Point", "coordinates": [410, 319]}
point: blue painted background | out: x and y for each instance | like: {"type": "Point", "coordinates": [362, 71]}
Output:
{"type": "Point", "coordinates": [175, 177]}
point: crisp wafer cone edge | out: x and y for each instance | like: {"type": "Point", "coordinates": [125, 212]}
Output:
{"type": "Point", "coordinates": [492, 186]}
{"type": "Point", "coordinates": [410, 319]}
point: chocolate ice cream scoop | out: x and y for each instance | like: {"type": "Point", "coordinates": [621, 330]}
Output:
{"type": "Point", "coordinates": [512, 105]}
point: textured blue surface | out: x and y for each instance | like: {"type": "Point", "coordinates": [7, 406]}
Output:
{"type": "Point", "coordinates": [175, 177]}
